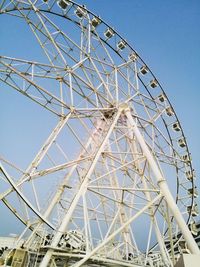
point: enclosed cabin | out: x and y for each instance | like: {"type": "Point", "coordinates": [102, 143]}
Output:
{"type": "Point", "coordinates": [144, 70]}
{"type": "Point", "coordinates": [176, 127]}
{"type": "Point", "coordinates": [153, 83]}
{"type": "Point", "coordinates": [193, 191]}
{"type": "Point", "coordinates": [95, 21]}
{"type": "Point", "coordinates": [186, 158]}
{"type": "Point", "coordinates": [162, 98]}
{"type": "Point", "coordinates": [133, 57]}
{"type": "Point", "coordinates": [63, 4]}
{"type": "Point", "coordinates": [181, 142]}
{"type": "Point", "coordinates": [190, 175]}
{"type": "Point", "coordinates": [109, 33]}
{"type": "Point", "coordinates": [169, 111]}
{"type": "Point", "coordinates": [80, 12]}
{"type": "Point", "coordinates": [193, 209]}
{"type": "Point", "coordinates": [121, 44]}
{"type": "Point", "coordinates": [193, 228]}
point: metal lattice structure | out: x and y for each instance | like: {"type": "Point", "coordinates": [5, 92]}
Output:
{"type": "Point", "coordinates": [123, 187]}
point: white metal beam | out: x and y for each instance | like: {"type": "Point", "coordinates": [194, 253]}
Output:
{"type": "Point", "coordinates": [163, 185]}
{"type": "Point", "coordinates": [120, 229]}
{"type": "Point", "coordinates": [81, 192]}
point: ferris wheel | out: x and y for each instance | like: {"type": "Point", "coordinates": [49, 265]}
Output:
{"type": "Point", "coordinates": [113, 184]}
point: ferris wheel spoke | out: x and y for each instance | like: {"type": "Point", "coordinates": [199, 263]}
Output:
{"type": "Point", "coordinates": [49, 35]}
{"type": "Point", "coordinates": [108, 60]}
{"type": "Point", "coordinates": [29, 88]}
{"type": "Point", "coordinates": [8, 5]}
{"type": "Point", "coordinates": [109, 96]}
{"type": "Point", "coordinates": [48, 40]}
{"type": "Point", "coordinates": [116, 162]}
{"type": "Point", "coordinates": [89, 84]}
{"type": "Point", "coordinates": [43, 20]}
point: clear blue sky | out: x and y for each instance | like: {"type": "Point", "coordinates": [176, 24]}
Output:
{"type": "Point", "coordinates": [166, 35]}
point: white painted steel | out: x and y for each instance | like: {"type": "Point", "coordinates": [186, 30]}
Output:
{"type": "Point", "coordinates": [164, 187]}
{"type": "Point", "coordinates": [114, 142]}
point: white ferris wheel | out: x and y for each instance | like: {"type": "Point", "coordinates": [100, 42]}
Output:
{"type": "Point", "coordinates": [113, 184]}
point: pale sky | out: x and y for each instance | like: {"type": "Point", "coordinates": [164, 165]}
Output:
{"type": "Point", "coordinates": [164, 33]}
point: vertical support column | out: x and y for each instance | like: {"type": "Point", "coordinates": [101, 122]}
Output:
{"type": "Point", "coordinates": [160, 240]}
{"type": "Point", "coordinates": [71, 88]}
{"type": "Point", "coordinates": [163, 186]}
{"type": "Point", "coordinates": [116, 84]}
{"type": "Point", "coordinates": [61, 94]}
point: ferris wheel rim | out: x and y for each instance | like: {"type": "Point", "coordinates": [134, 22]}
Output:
{"type": "Point", "coordinates": [133, 50]}
{"type": "Point", "coordinates": [151, 97]}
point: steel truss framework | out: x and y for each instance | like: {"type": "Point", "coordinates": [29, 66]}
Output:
{"type": "Point", "coordinates": [115, 155]}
